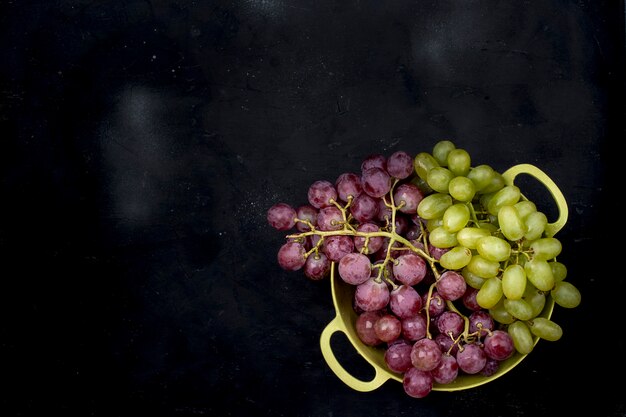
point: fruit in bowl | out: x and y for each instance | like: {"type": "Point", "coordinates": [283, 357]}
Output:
{"type": "Point", "coordinates": [444, 275]}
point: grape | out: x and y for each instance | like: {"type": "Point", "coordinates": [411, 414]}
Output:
{"type": "Point", "coordinates": [480, 321]}
{"type": "Point", "coordinates": [481, 176]}
{"type": "Point", "coordinates": [451, 285]}
{"type": "Point", "coordinates": [405, 301]}
{"type": "Point", "coordinates": [348, 185]}
{"type": "Point", "coordinates": [329, 218]}
{"type": "Point", "coordinates": [469, 236]}
{"type": "Point", "coordinates": [490, 293]}
{"type": "Point", "coordinates": [507, 196]}
{"type": "Point", "coordinates": [400, 165]}
{"type": "Point", "coordinates": [522, 338]}
{"type": "Point", "coordinates": [374, 243]}
{"type": "Point", "coordinates": [546, 329]}
{"type": "Point", "coordinates": [469, 299]}
{"type": "Point", "coordinates": [447, 370]}
{"type": "Point", "coordinates": [439, 179]}
{"type": "Point", "coordinates": [525, 208]}
{"type": "Point", "coordinates": [520, 309]}
{"type": "Point", "coordinates": [321, 193]}
{"type": "Point", "coordinates": [456, 258]}
{"type": "Point", "coordinates": [371, 295]}
{"type": "Point", "coordinates": [455, 217]}
{"type": "Point", "coordinates": [565, 294]}
{"type": "Point", "coordinates": [459, 162]}
{"type": "Point", "coordinates": [471, 359]}
{"type": "Point", "coordinates": [409, 269]}
{"type": "Point", "coordinates": [376, 182]}
{"type": "Point", "coordinates": [425, 354]}
{"type": "Point", "coordinates": [416, 383]}
{"type": "Point", "coordinates": [317, 266]}
{"type": "Point", "coordinates": [388, 328]}
{"type": "Point", "coordinates": [441, 150]}
{"type": "Point", "coordinates": [355, 268]}
{"type": "Point", "coordinates": [434, 205]}
{"type": "Point", "coordinates": [491, 367]}
{"type": "Point", "coordinates": [447, 344]}
{"type": "Point", "coordinates": [374, 161]}
{"type": "Point", "coordinates": [514, 282]}
{"type": "Point", "coordinates": [511, 224]}
{"type": "Point", "coordinates": [306, 213]}
{"type": "Point", "coordinates": [536, 224]}
{"type": "Point", "coordinates": [483, 267]}
{"type": "Point", "coordinates": [336, 247]}
{"type": "Point", "coordinates": [500, 315]}
{"type": "Point", "coordinates": [462, 189]}
{"type": "Point", "coordinates": [437, 304]}
{"type": "Point", "coordinates": [559, 270]}
{"type": "Point", "coordinates": [546, 248]}
{"type": "Point", "coordinates": [493, 248]}
{"type": "Point", "coordinates": [540, 274]}
{"type": "Point", "coordinates": [281, 216]}
{"type": "Point", "coordinates": [398, 357]}
{"type": "Point", "coordinates": [414, 328]}
{"type": "Point", "coordinates": [450, 322]}
{"type": "Point", "coordinates": [291, 256]}
{"type": "Point", "coordinates": [364, 208]}
{"type": "Point", "coordinates": [364, 326]}
{"type": "Point", "coordinates": [441, 238]}
{"type": "Point", "coordinates": [410, 195]}
{"type": "Point", "coordinates": [498, 345]}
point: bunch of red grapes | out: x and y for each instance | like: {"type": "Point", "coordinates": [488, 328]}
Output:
{"type": "Point", "coordinates": [451, 266]}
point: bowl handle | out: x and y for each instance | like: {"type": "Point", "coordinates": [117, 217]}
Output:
{"type": "Point", "coordinates": [551, 228]}
{"type": "Point", "coordinates": [359, 385]}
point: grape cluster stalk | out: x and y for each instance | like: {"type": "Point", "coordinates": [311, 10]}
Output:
{"type": "Point", "coordinates": [451, 266]}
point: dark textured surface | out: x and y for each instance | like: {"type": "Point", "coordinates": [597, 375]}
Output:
{"type": "Point", "coordinates": [142, 143]}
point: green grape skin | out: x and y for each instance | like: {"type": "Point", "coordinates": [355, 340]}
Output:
{"type": "Point", "coordinates": [490, 293]}
{"type": "Point", "coordinates": [423, 163]}
{"type": "Point", "coordinates": [546, 248]}
{"type": "Point", "coordinates": [439, 179]}
{"type": "Point", "coordinates": [522, 337]}
{"type": "Point", "coordinates": [520, 309]}
{"type": "Point", "coordinates": [462, 189]}
{"type": "Point", "coordinates": [559, 270]}
{"type": "Point", "coordinates": [511, 224]}
{"type": "Point", "coordinates": [566, 295]}
{"type": "Point", "coordinates": [514, 282]}
{"type": "Point", "coordinates": [496, 184]}
{"type": "Point", "coordinates": [441, 150]}
{"type": "Point", "coordinates": [492, 228]}
{"type": "Point", "coordinates": [483, 267]}
{"type": "Point", "coordinates": [536, 223]}
{"type": "Point", "coordinates": [481, 176]}
{"type": "Point", "coordinates": [545, 329]}
{"type": "Point", "coordinates": [500, 315]}
{"type": "Point", "coordinates": [459, 161]}
{"type": "Point", "coordinates": [456, 258]}
{"type": "Point", "coordinates": [493, 248]}
{"type": "Point", "coordinates": [536, 299]}
{"type": "Point", "coordinates": [441, 238]}
{"type": "Point", "coordinates": [432, 224]}
{"type": "Point", "coordinates": [422, 185]}
{"type": "Point", "coordinates": [507, 196]}
{"type": "Point", "coordinates": [433, 206]}
{"type": "Point", "coordinates": [472, 279]}
{"type": "Point", "coordinates": [468, 236]}
{"type": "Point", "coordinates": [456, 217]}
{"type": "Point", "coordinates": [525, 207]}
{"type": "Point", "coordinates": [539, 274]}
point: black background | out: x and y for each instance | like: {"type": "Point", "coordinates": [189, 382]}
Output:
{"type": "Point", "coordinates": [143, 142]}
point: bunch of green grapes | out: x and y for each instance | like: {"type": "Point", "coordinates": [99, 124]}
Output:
{"type": "Point", "coordinates": [498, 240]}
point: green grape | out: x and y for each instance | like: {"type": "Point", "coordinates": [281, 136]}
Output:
{"type": "Point", "coordinates": [456, 217]}
{"type": "Point", "coordinates": [424, 162]}
{"type": "Point", "coordinates": [472, 279]}
{"type": "Point", "coordinates": [486, 225]}
{"type": "Point", "coordinates": [468, 236]}
{"type": "Point", "coordinates": [441, 151]}
{"type": "Point", "coordinates": [522, 337]}
{"type": "Point", "coordinates": [514, 282]}
{"type": "Point", "coordinates": [481, 176]}
{"type": "Point", "coordinates": [490, 293]}
{"type": "Point", "coordinates": [441, 238]}
{"type": "Point", "coordinates": [493, 248]}
{"type": "Point", "coordinates": [439, 178]}
{"type": "Point", "coordinates": [456, 258]}
{"type": "Point", "coordinates": [536, 223]}
{"type": "Point", "coordinates": [500, 315]}
{"type": "Point", "coordinates": [559, 270]}
{"type": "Point", "coordinates": [432, 224]}
{"type": "Point", "coordinates": [459, 162]}
{"type": "Point", "coordinates": [566, 295]}
{"type": "Point", "coordinates": [520, 309]}
{"type": "Point", "coordinates": [540, 274]}
{"type": "Point", "coordinates": [546, 329]}
{"type": "Point", "coordinates": [511, 224]}
{"type": "Point", "coordinates": [537, 301]}
{"type": "Point", "coordinates": [496, 184]}
{"type": "Point", "coordinates": [421, 184]}
{"type": "Point", "coordinates": [462, 189]}
{"type": "Point", "coordinates": [483, 267]}
{"type": "Point", "coordinates": [507, 196]}
{"type": "Point", "coordinates": [433, 206]}
{"type": "Point", "coordinates": [525, 207]}
{"type": "Point", "coordinates": [546, 248]}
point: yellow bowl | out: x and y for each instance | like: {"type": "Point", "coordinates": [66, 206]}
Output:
{"type": "Point", "coordinates": [345, 319]}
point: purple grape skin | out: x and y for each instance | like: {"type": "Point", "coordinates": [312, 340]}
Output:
{"type": "Point", "coordinates": [410, 194]}
{"type": "Point", "coordinates": [374, 161]}
{"type": "Point", "coordinates": [291, 256]}
{"type": "Point", "coordinates": [409, 269]}
{"type": "Point", "coordinates": [451, 285]}
{"type": "Point", "coordinates": [405, 301]}
{"type": "Point", "coordinates": [398, 356]}
{"type": "Point", "coordinates": [364, 208]}
{"type": "Point", "coordinates": [446, 344]}
{"type": "Point", "coordinates": [436, 252]}
{"type": "Point", "coordinates": [336, 247]}
{"type": "Point", "coordinates": [355, 268]}
{"type": "Point", "coordinates": [425, 354]}
{"type": "Point", "coordinates": [348, 184]}
{"type": "Point", "coordinates": [372, 295]}
{"type": "Point", "coordinates": [483, 318]}
{"type": "Point", "coordinates": [376, 182]}
{"type": "Point", "coordinates": [374, 243]}
{"type": "Point", "coordinates": [321, 193]}
{"type": "Point", "coordinates": [437, 304]}
{"type": "Point", "coordinates": [414, 328]}
{"type": "Point", "coordinates": [281, 216]}
{"type": "Point", "coordinates": [447, 371]}
{"type": "Point", "coordinates": [491, 367]}
{"type": "Point", "coordinates": [365, 327]}
{"type": "Point", "coordinates": [329, 218]}
{"type": "Point", "coordinates": [306, 212]}
{"type": "Point", "coordinates": [317, 266]}
{"type": "Point", "coordinates": [450, 322]}
{"type": "Point", "coordinates": [400, 165]}
{"type": "Point", "coordinates": [388, 328]}
{"type": "Point", "coordinates": [469, 299]}
{"type": "Point", "coordinates": [416, 383]}
{"type": "Point", "coordinates": [499, 345]}
{"type": "Point", "coordinates": [402, 224]}
{"type": "Point", "coordinates": [471, 358]}
{"type": "Point", "coordinates": [384, 212]}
